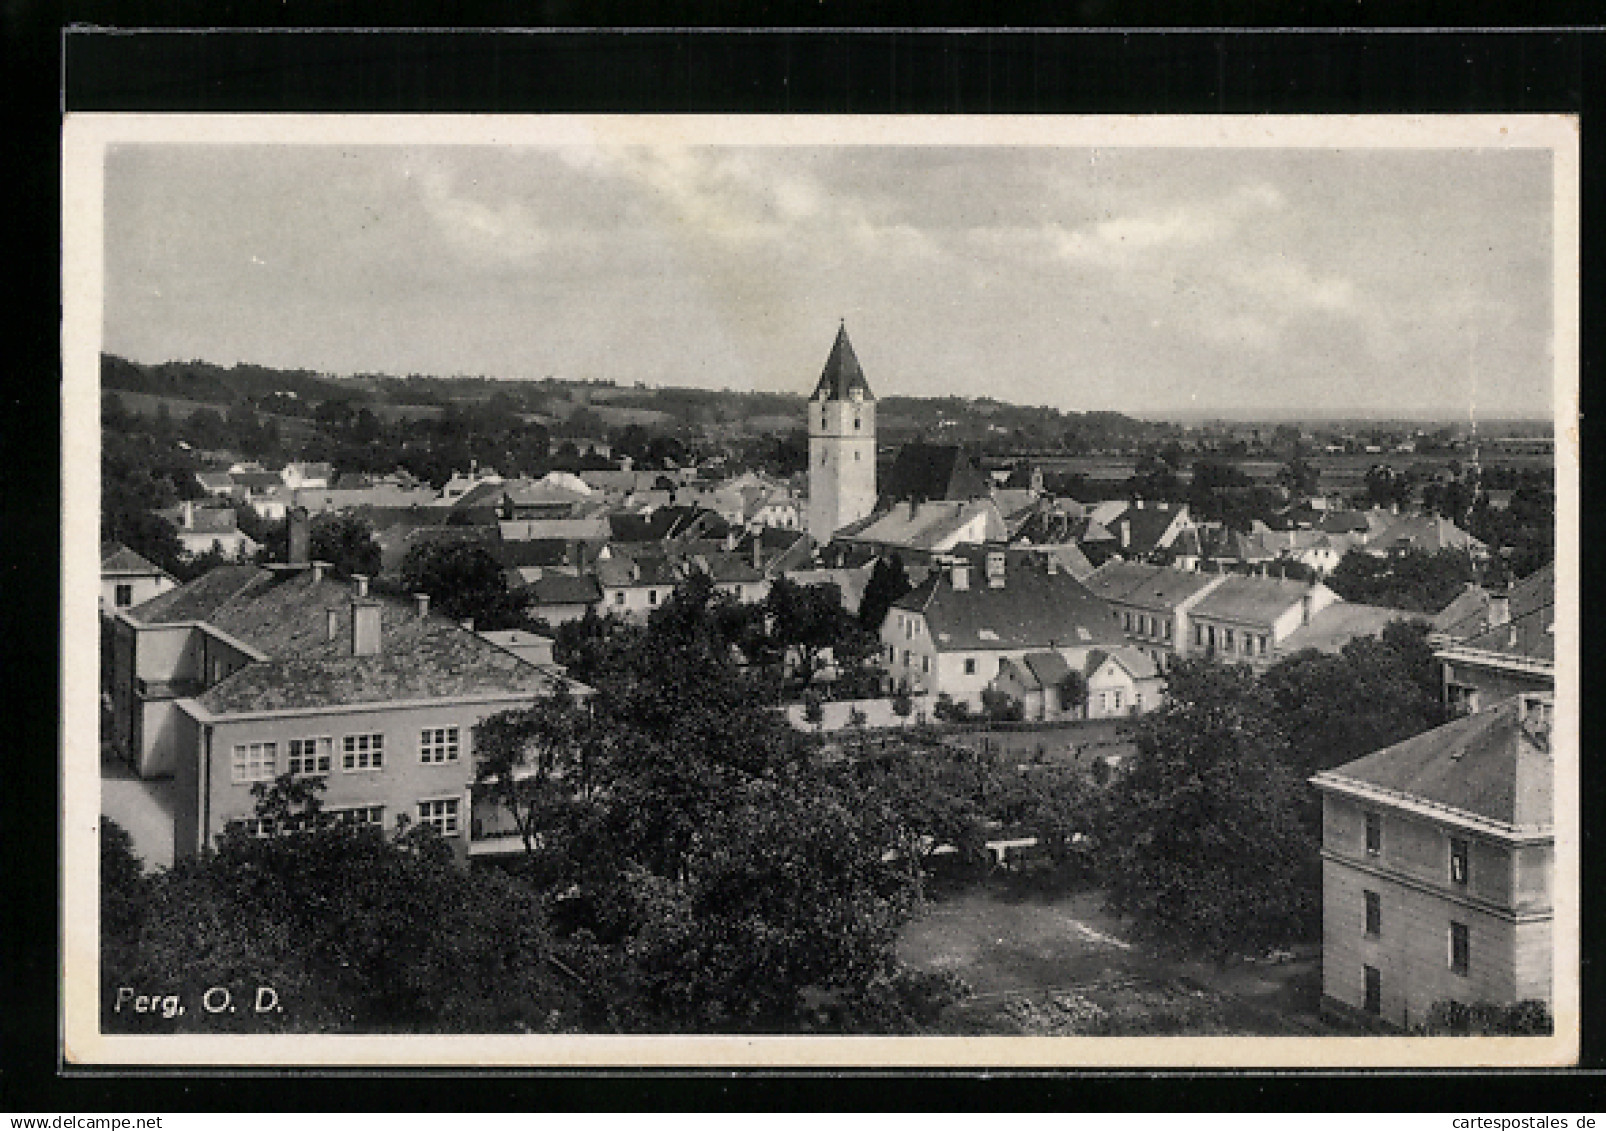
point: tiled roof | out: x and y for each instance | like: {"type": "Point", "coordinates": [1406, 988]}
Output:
{"type": "Point", "coordinates": [203, 520]}
{"type": "Point", "coordinates": [1049, 669]}
{"type": "Point", "coordinates": [1465, 616]}
{"type": "Point", "coordinates": [622, 571]}
{"type": "Point", "coordinates": [116, 558]}
{"type": "Point", "coordinates": [926, 527]}
{"type": "Point", "coordinates": [842, 374]}
{"type": "Point", "coordinates": [931, 472]}
{"type": "Point", "coordinates": [553, 588]}
{"type": "Point", "coordinates": [1138, 663]}
{"type": "Point", "coordinates": [286, 615]}
{"type": "Point", "coordinates": [1491, 764]}
{"type": "Point", "coordinates": [1147, 586]}
{"type": "Point", "coordinates": [1251, 600]}
{"type": "Point", "coordinates": [258, 480]}
{"type": "Point", "coordinates": [527, 529]}
{"type": "Point", "coordinates": [1339, 623]}
{"type": "Point", "coordinates": [1033, 609]}
{"type": "Point", "coordinates": [1145, 524]}
{"type": "Point", "coordinates": [1429, 533]}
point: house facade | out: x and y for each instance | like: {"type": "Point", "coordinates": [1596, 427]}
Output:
{"type": "Point", "coordinates": [127, 579]}
{"type": "Point", "coordinates": [952, 633]}
{"type": "Point", "coordinates": [1506, 648]}
{"type": "Point", "coordinates": [1437, 864]}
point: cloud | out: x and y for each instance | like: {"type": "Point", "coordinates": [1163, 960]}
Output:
{"type": "Point", "coordinates": [505, 231]}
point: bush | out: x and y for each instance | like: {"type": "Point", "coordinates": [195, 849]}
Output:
{"type": "Point", "coordinates": [1000, 707]}
{"type": "Point", "coordinates": [902, 705]}
{"type": "Point", "coordinates": [949, 711]}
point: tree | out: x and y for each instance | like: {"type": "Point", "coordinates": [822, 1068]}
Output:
{"type": "Point", "coordinates": [1299, 477]}
{"type": "Point", "coordinates": [533, 761]}
{"type": "Point", "coordinates": [806, 620]}
{"type": "Point", "coordinates": [1415, 580]}
{"type": "Point", "coordinates": [1205, 844]}
{"type": "Point", "coordinates": [463, 580]}
{"type": "Point", "coordinates": [1001, 707]}
{"type": "Point", "coordinates": [887, 582]}
{"type": "Point", "coordinates": [1449, 1018]}
{"type": "Point", "coordinates": [1073, 692]}
{"type": "Point", "coordinates": [347, 543]}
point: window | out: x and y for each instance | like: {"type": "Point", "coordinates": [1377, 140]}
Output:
{"type": "Point", "coordinates": [1374, 834]}
{"type": "Point", "coordinates": [1263, 645]}
{"type": "Point", "coordinates": [437, 744]}
{"type": "Point", "coordinates": [310, 755]}
{"type": "Point", "coordinates": [1104, 701]}
{"type": "Point", "coordinates": [1198, 634]}
{"type": "Point", "coordinates": [925, 664]}
{"type": "Point", "coordinates": [1458, 861]}
{"type": "Point", "coordinates": [1374, 914]}
{"type": "Point", "coordinates": [908, 629]}
{"type": "Point", "coordinates": [1460, 949]}
{"type": "Point", "coordinates": [359, 815]}
{"type": "Point", "coordinates": [362, 752]}
{"type": "Point", "coordinates": [255, 761]}
{"type": "Point", "coordinates": [906, 657]}
{"type": "Point", "coordinates": [1226, 638]}
{"type": "Point", "coordinates": [856, 455]}
{"type": "Point", "coordinates": [125, 596]}
{"type": "Point", "coordinates": [1166, 629]}
{"type": "Point", "coordinates": [440, 815]}
{"type": "Point", "coordinates": [1117, 700]}
{"type": "Point", "coordinates": [857, 424]}
{"type": "Point", "coordinates": [1126, 621]}
{"type": "Point", "coordinates": [970, 667]}
{"type": "Point", "coordinates": [1210, 635]}
{"type": "Point", "coordinates": [1374, 991]}
{"type": "Point", "coordinates": [619, 597]}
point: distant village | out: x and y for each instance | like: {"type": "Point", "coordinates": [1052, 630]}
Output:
{"type": "Point", "coordinates": [998, 612]}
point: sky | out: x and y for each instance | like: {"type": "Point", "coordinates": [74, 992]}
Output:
{"type": "Point", "coordinates": [1252, 283]}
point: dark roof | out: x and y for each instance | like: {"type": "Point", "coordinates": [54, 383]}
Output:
{"type": "Point", "coordinates": [1147, 524]}
{"type": "Point", "coordinates": [258, 480]}
{"type": "Point", "coordinates": [1033, 609]}
{"type": "Point", "coordinates": [203, 520]}
{"type": "Point", "coordinates": [286, 615]}
{"type": "Point", "coordinates": [119, 559]}
{"type": "Point", "coordinates": [1491, 764]}
{"type": "Point", "coordinates": [928, 472]}
{"type": "Point", "coordinates": [544, 552]}
{"type": "Point", "coordinates": [563, 589]}
{"type": "Point", "coordinates": [655, 527]}
{"type": "Point", "coordinates": [842, 374]}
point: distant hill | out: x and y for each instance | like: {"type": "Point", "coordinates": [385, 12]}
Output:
{"type": "Point", "coordinates": [588, 408]}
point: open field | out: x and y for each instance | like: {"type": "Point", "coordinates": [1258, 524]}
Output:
{"type": "Point", "coordinates": [1044, 963]}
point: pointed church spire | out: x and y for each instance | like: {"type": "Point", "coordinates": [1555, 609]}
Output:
{"type": "Point", "coordinates": [842, 373]}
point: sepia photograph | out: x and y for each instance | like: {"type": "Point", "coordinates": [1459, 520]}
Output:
{"type": "Point", "coordinates": [635, 590]}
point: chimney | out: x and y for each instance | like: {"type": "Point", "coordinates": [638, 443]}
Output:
{"type": "Point", "coordinates": [361, 583]}
{"type": "Point", "coordinates": [914, 508]}
{"type": "Point", "coordinates": [758, 552]}
{"type": "Point", "coordinates": [365, 634]}
{"type": "Point", "coordinates": [959, 575]}
{"type": "Point", "coordinates": [1138, 503]}
{"type": "Point", "coordinates": [467, 624]}
{"type": "Point", "coordinates": [995, 569]}
{"type": "Point", "coordinates": [421, 603]}
{"type": "Point", "coordinates": [333, 617]}
{"type": "Point", "coordinates": [317, 571]}
{"type": "Point", "coordinates": [189, 515]}
{"type": "Point", "coordinates": [1499, 607]}
{"type": "Point", "coordinates": [1053, 565]}
{"type": "Point", "coordinates": [730, 540]}
{"type": "Point", "coordinates": [1307, 601]}
{"type": "Point", "coordinates": [1126, 533]}
{"type": "Point", "coordinates": [300, 536]}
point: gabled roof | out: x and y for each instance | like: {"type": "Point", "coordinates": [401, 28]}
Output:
{"type": "Point", "coordinates": [1049, 669]}
{"type": "Point", "coordinates": [929, 472]}
{"type": "Point", "coordinates": [117, 559]}
{"type": "Point", "coordinates": [1429, 533]}
{"type": "Point", "coordinates": [203, 520]}
{"type": "Point", "coordinates": [842, 374]}
{"type": "Point", "coordinates": [1033, 609]}
{"type": "Point", "coordinates": [1251, 600]}
{"type": "Point", "coordinates": [622, 571]}
{"type": "Point", "coordinates": [553, 588]}
{"type": "Point", "coordinates": [1135, 661]}
{"type": "Point", "coordinates": [1155, 587]}
{"type": "Point", "coordinates": [1494, 765]}
{"type": "Point", "coordinates": [924, 526]}
{"type": "Point", "coordinates": [1146, 525]}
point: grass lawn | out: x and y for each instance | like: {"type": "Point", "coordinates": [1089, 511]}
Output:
{"type": "Point", "coordinates": [1057, 963]}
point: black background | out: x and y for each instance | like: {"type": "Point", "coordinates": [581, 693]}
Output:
{"type": "Point", "coordinates": [805, 58]}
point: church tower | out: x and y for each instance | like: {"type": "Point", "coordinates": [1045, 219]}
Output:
{"type": "Point", "coordinates": [842, 486]}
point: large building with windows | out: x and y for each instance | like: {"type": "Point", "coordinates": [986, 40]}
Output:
{"type": "Point", "coordinates": [249, 673]}
{"type": "Point", "coordinates": [1437, 864]}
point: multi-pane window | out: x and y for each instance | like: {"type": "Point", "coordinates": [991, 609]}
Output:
{"type": "Point", "coordinates": [1374, 914]}
{"type": "Point", "coordinates": [358, 815]}
{"type": "Point", "coordinates": [362, 752]}
{"type": "Point", "coordinates": [309, 755]}
{"type": "Point", "coordinates": [1374, 990]}
{"type": "Point", "coordinates": [1374, 834]}
{"type": "Point", "coordinates": [125, 596]}
{"type": "Point", "coordinates": [1458, 861]}
{"type": "Point", "coordinates": [440, 815]}
{"type": "Point", "coordinates": [256, 761]}
{"type": "Point", "coordinates": [1460, 949]}
{"type": "Point", "coordinates": [652, 596]}
{"type": "Point", "coordinates": [438, 744]}
{"type": "Point", "coordinates": [1117, 700]}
